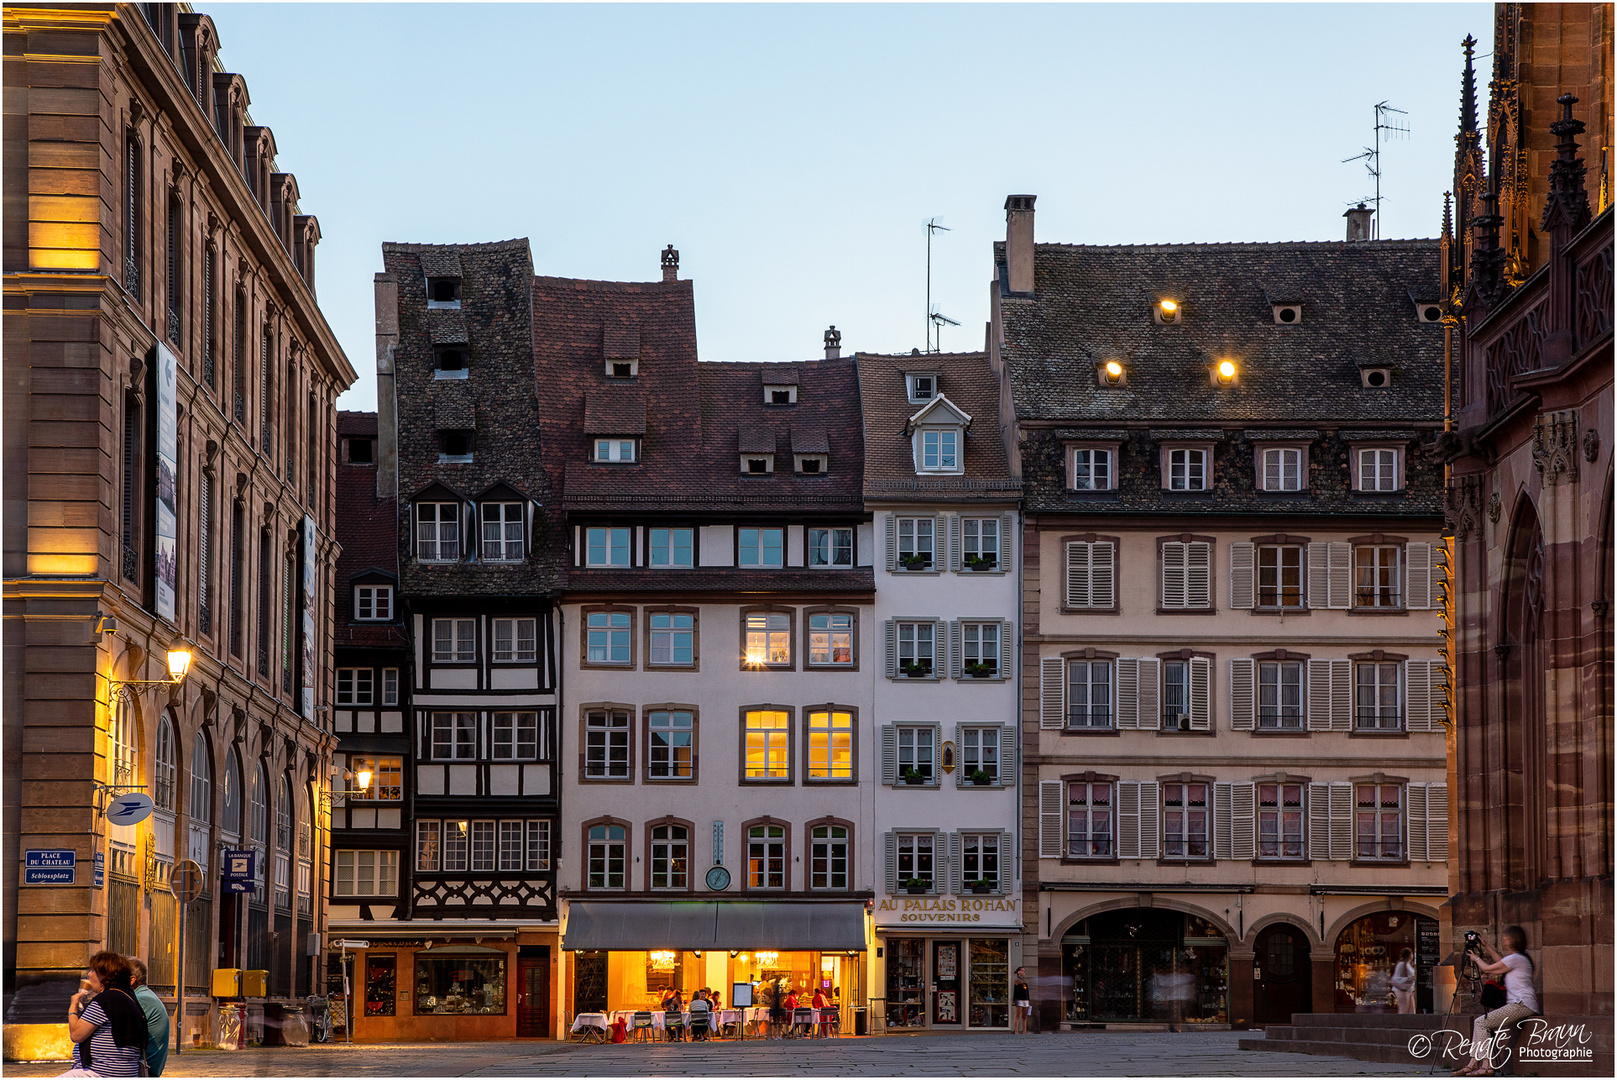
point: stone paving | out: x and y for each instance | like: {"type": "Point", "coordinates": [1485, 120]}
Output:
{"type": "Point", "coordinates": [1192, 1054]}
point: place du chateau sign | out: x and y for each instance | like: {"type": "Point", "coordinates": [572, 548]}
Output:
{"type": "Point", "coordinates": [945, 909]}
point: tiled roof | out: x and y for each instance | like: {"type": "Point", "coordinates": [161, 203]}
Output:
{"type": "Point", "coordinates": [967, 381]}
{"type": "Point", "coordinates": [810, 438]}
{"type": "Point", "coordinates": [615, 411]}
{"type": "Point", "coordinates": [759, 439]}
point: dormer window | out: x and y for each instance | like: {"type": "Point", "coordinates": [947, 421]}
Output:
{"type": "Point", "coordinates": [922, 387]}
{"type": "Point", "coordinates": [1428, 312]}
{"type": "Point", "coordinates": [615, 450]}
{"type": "Point", "coordinates": [361, 451]}
{"type": "Point", "coordinates": [1375, 378]}
{"type": "Point", "coordinates": [443, 293]}
{"type": "Point", "coordinates": [449, 362]}
{"type": "Point", "coordinates": [623, 369]}
{"type": "Point", "coordinates": [455, 447]}
{"type": "Point", "coordinates": [939, 450]}
{"type": "Point", "coordinates": [812, 464]}
{"type": "Point", "coordinates": [779, 394]}
{"type": "Point", "coordinates": [757, 464]}
{"type": "Point", "coordinates": [1288, 314]}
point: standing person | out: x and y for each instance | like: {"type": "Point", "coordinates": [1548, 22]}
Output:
{"type": "Point", "coordinates": [777, 1011]}
{"type": "Point", "coordinates": [156, 1019]}
{"type": "Point", "coordinates": [1403, 982]}
{"type": "Point", "coordinates": [1520, 998]}
{"type": "Point", "coordinates": [1021, 1003]}
{"type": "Point", "coordinates": [104, 1021]}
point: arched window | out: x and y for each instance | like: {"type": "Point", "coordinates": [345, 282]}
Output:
{"type": "Point", "coordinates": [283, 817]}
{"type": "Point", "coordinates": [230, 794]}
{"type": "Point", "coordinates": [121, 740]}
{"type": "Point", "coordinates": [201, 808]}
{"type": "Point", "coordinates": [166, 763]}
{"type": "Point", "coordinates": [258, 809]}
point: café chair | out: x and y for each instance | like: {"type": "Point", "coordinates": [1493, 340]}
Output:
{"type": "Point", "coordinates": [641, 1026]}
{"type": "Point", "coordinates": [802, 1023]}
{"type": "Point", "coordinates": [699, 1026]}
{"type": "Point", "coordinates": [674, 1022]}
{"type": "Point", "coordinates": [830, 1021]}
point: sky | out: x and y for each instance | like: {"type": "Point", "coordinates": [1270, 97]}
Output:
{"type": "Point", "coordinates": [794, 153]}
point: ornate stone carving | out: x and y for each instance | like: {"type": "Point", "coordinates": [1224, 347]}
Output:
{"type": "Point", "coordinates": [1555, 446]}
{"type": "Point", "coordinates": [1495, 507]}
{"type": "Point", "coordinates": [1591, 445]}
{"type": "Point", "coordinates": [1464, 506]}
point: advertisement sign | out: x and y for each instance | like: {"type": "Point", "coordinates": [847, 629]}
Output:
{"type": "Point", "coordinates": [240, 871]}
{"type": "Point", "coordinates": [307, 642]}
{"type": "Point", "coordinates": [54, 866]}
{"type": "Point", "coordinates": [130, 809]}
{"type": "Point", "coordinates": [100, 869]}
{"type": "Point", "coordinates": [166, 549]}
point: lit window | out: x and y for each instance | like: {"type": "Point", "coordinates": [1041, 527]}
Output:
{"type": "Point", "coordinates": [768, 745]}
{"type": "Point", "coordinates": [620, 450]}
{"type": "Point", "coordinates": [387, 778]}
{"type": "Point", "coordinates": [830, 745]}
{"type": "Point", "coordinates": [831, 639]}
{"type": "Point", "coordinates": [671, 547]}
{"type": "Point", "coordinates": [515, 641]}
{"type": "Point", "coordinates": [1092, 470]}
{"type": "Point", "coordinates": [760, 547]}
{"type": "Point", "coordinates": [607, 637]}
{"type": "Point", "coordinates": [454, 641]}
{"type": "Point", "coordinates": [830, 547]}
{"type": "Point", "coordinates": [427, 849]}
{"type": "Point", "coordinates": [769, 638]}
{"type": "Point", "coordinates": [606, 547]}
{"type": "Point", "coordinates": [673, 639]}
{"type": "Point", "coordinates": [669, 752]}
{"type": "Point", "coordinates": [502, 532]}
{"type": "Point", "coordinates": [438, 532]}
{"type": "Point", "coordinates": [606, 745]}
{"type": "Point", "coordinates": [1187, 470]}
{"type": "Point", "coordinates": [1282, 470]}
{"type": "Point", "coordinates": [373, 603]}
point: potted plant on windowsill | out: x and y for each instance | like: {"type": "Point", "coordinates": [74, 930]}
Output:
{"type": "Point", "coordinates": [980, 885]}
{"type": "Point", "coordinates": [983, 670]}
{"type": "Point", "coordinates": [913, 776]}
{"type": "Point", "coordinates": [915, 669]}
{"type": "Point", "coordinates": [917, 561]}
{"type": "Point", "coordinates": [981, 562]}
{"type": "Point", "coordinates": [981, 777]}
{"type": "Point", "coordinates": [916, 885]}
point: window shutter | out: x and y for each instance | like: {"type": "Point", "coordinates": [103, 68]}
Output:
{"type": "Point", "coordinates": [1341, 564]}
{"type": "Point", "coordinates": [1319, 821]}
{"type": "Point", "coordinates": [956, 650]}
{"type": "Point", "coordinates": [1341, 821]}
{"type": "Point", "coordinates": [1437, 822]}
{"type": "Point", "coordinates": [954, 543]}
{"type": "Point", "coordinates": [892, 863]}
{"type": "Point", "coordinates": [1201, 694]}
{"type": "Point", "coordinates": [1199, 574]}
{"type": "Point", "coordinates": [1243, 575]}
{"type": "Point", "coordinates": [955, 870]}
{"type": "Point", "coordinates": [1078, 566]}
{"type": "Point", "coordinates": [892, 542]}
{"type": "Point", "coordinates": [1418, 568]}
{"type": "Point", "coordinates": [940, 648]}
{"type": "Point", "coordinates": [1422, 707]}
{"type": "Point", "coordinates": [1007, 525]}
{"type": "Point", "coordinates": [1150, 806]}
{"type": "Point", "coordinates": [960, 779]}
{"type": "Point", "coordinates": [1341, 695]}
{"type": "Point", "coordinates": [1242, 827]}
{"type": "Point", "coordinates": [1150, 693]}
{"type": "Point", "coordinates": [1128, 819]}
{"type": "Point", "coordinates": [1319, 695]}
{"type": "Point", "coordinates": [892, 649]}
{"type": "Point", "coordinates": [1007, 856]}
{"type": "Point", "coordinates": [1319, 575]}
{"type": "Point", "coordinates": [1243, 694]}
{"type": "Point", "coordinates": [1007, 757]}
{"type": "Point", "coordinates": [1173, 574]}
{"type": "Point", "coordinates": [1006, 648]}
{"type": "Point", "coordinates": [1052, 693]}
{"type": "Point", "coordinates": [889, 754]}
{"type": "Point", "coordinates": [1221, 821]}
{"type": "Point", "coordinates": [1049, 819]}
{"type": "Point", "coordinates": [1415, 822]}
{"type": "Point", "coordinates": [940, 541]}
{"type": "Point", "coordinates": [937, 755]}
{"type": "Point", "coordinates": [1128, 693]}
{"type": "Point", "coordinates": [1101, 571]}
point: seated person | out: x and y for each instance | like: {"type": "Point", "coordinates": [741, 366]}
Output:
{"type": "Point", "coordinates": [701, 1013]}
{"type": "Point", "coordinates": [674, 1021]}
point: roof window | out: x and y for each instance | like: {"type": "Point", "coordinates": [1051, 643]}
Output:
{"type": "Point", "coordinates": [812, 464]}
{"type": "Point", "coordinates": [449, 362]}
{"type": "Point", "coordinates": [1288, 314]}
{"type": "Point", "coordinates": [780, 394]}
{"type": "Point", "coordinates": [922, 387]}
{"type": "Point", "coordinates": [757, 464]}
{"type": "Point", "coordinates": [1428, 313]}
{"type": "Point", "coordinates": [1166, 312]}
{"type": "Point", "coordinates": [455, 447]}
{"type": "Point", "coordinates": [443, 292]}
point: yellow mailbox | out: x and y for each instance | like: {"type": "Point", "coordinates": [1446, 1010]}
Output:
{"type": "Point", "coordinates": [254, 983]}
{"type": "Point", "coordinates": [226, 982]}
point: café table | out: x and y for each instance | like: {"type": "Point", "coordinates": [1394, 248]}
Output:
{"type": "Point", "coordinates": [590, 1027]}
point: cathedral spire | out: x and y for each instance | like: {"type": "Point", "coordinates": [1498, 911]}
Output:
{"type": "Point", "coordinates": [1468, 90]}
{"type": "Point", "coordinates": [1567, 206]}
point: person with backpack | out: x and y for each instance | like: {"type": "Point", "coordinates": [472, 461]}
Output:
{"type": "Point", "coordinates": [105, 1022]}
{"type": "Point", "coordinates": [1403, 982]}
{"type": "Point", "coordinates": [1521, 1000]}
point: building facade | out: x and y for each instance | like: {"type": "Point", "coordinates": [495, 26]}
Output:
{"type": "Point", "coordinates": [1528, 280]}
{"type": "Point", "coordinates": [169, 412]}
{"type": "Point", "coordinates": [944, 504]}
{"type": "Point", "coordinates": [1235, 800]}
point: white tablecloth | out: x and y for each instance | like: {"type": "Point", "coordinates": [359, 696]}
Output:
{"type": "Point", "coordinates": [594, 1020]}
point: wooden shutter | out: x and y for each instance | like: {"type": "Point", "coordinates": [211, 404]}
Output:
{"type": "Point", "coordinates": [1341, 573]}
{"type": "Point", "coordinates": [892, 863]}
{"type": "Point", "coordinates": [1437, 822]}
{"type": "Point", "coordinates": [1101, 571]}
{"type": "Point", "coordinates": [892, 649]}
{"type": "Point", "coordinates": [1423, 695]}
{"type": "Point", "coordinates": [1150, 693]}
{"type": "Point", "coordinates": [1050, 819]}
{"type": "Point", "coordinates": [1007, 757]}
{"type": "Point", "coordinates": [1052, 693]}
{"type": "Point", "coordinates": [961, 779]}
{"type": "Point", "coordinates": [1319, 695]}
{"type": "Point", "coordinates": [1243, 575]}
{"type": "Point", "coordinates": [1341, 695]}
{"type": "Point", "coordinates": [940, 648]}
{"type": "Point", "coordinates": [889, 754]}
{"type": "Point", "coordinates": [1128, 693]}
{"type": "Point", "coordinates": [1128, 819]}
{"type": "Point", "coordinates": [1201, 694]}
{"type": "Point", "coordinates": [955, 867]}
{"type": "Point", "coordinates": [1319, 821]}
{"type": "Point", "coordinates": [1150, 810]}
{"type": "Point", "coordinates": [1341, 821]}
{"type": "Point", "coordinates": [1174, 593]}
{"type": "Point", "coordinates": [1319, 575]}
{"type": "Point", "coordinates": [1418, 576]}
{"type": "Point", "coordinates": [1006, 648]}
{"type": "Point", "coordinates": [1007, 528]}
{"type": "Point", "coordinates": [1198, 574]}
{"type": "Point", "coordinates": [1243, 694]}
{"type": "Point", "coordinates": [940, 542]}
{"type": "Point", "coordinates": [1415, 822]}
{"type": "Point", "coordinates": [954, 543]}
{"type": "Point", "coordinates": [1006, 861]}
{"type": "Point", "coordinates": [892, 542]}
{"type": "Point", "coordinates": [1243, 829]}
{"type": "Point", "coordinates": [956, 650]}
{"type": "Point", "coordinates": [1078, 570]}
{"type": "Point", "coordinates": [937, 755]}
{"type": "Point", "coordinates": [1222, 826]}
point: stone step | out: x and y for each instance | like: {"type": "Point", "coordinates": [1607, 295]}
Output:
{"type": "Point", "coordinates": [1385, 1055]}
{"type": "Point", "coordinates": [1380, 1037]}
{"type": "Point", "coordinates": [1418, 1021]}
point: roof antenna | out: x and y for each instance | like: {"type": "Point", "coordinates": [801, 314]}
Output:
{"type": "Point", "coordinates": [938, 320]}
{"type": "Point", "coordinates": [932, 226]}
{"type": "Point", "coordinates": [1395, 129]}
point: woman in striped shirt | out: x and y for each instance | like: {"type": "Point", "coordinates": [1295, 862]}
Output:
{"type": "Point", "coordinates": [105, 1022]}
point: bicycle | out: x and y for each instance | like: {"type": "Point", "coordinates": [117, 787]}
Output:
{"type": "Point", "coordinates": [320, 1018]}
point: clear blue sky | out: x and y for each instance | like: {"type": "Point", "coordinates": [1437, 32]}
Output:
{"type": "Point", "coordinates": [792, 152]}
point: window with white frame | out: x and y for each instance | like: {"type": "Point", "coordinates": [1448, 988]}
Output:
{"type": "Point", "coordinates": [605, 862]}
{"type": "Point", "coordinates": [539, 844]}
{"type": "Point", "coordinates": [917, 753]}
{"type": "Point", "coordinates": [455, 846]}
{"type": "Point", "coordinates": [979, 543]}
{"type": "Point", "coordinates": [670, 744]}
{"type": "Point", "coordinates": [1280, 575]}
{"type": "Point", "coordinates": [355, 686]}
{"type": "Point", "coordinates": [516, 736]}
{"type": "Point", "coordinates": [1379, 822]}
{"type": "Point", "coordinates": [939, 450]}
{"type": "Point", "coordinates": [1376, 576]}
{"type": "Point", "coordinates": [760, 547]}
{"type": "Point", "coordinates": [831, 639]}
{"type": "Point", "coordinates": [769, 638]}
{"type": "Point", "coordinates": [1377, 699]}
{"type": "Point", "coordinates": [979, 642]}
{"type": "Point", "coordinates": [454, 641]}
{"type": "Point", "coordinates": [1184, 821]}
{"type": "Point", "coordinates": [607, 637]}
{"type": "Point", "coordinates": [921, 388]}
{"type": "Point", "coordinates": [513, 849]}
{"type": "Point", "coordinates": [1281, 469]}
{"type": "Point", "coordinates": [1280, 821]}
{"type": "Point", "coordinates": [165, 772]}
{"type": "Point", "coordinates": [767, 743]}
{"type": "Point", "coordinates": [454, 736]}
{"type": "Point", "coordinates": [428, 850]}
{"type": "Point", "coordinates": [386, 778]}
{"type": "Point", "coordinates": [1090, 822]}
{"type": "Point", "coordinates": [619, 450]}
{"type": "Point", "coordinates": [437, 532]}
{"type": "Point", "coordinates": [1187, 469]}
{"type": "Point", "coordinates": [672, 639]}
{"type": "Point", "coordinates": [366, 873]}
{"type": "Point", "coordinates": [606, 546]}
{"type": "Point", "coordinates": [766, 857]}
{"type": "Point", "coordinates": [1378, 469]}
{"type": "Point", "coordinates": [1280, 695]}
{"type": "Point", "coordinates": [670, 547]}
{"type": "Point", "coordinates": [830, 548]}
{"type": "Point", "coordinates": [484, 846]}
{"type": "Point", "coordinates": [502, 532]}
{"type": "Point", "coordinates": [1089, 694]}
{"type": "Point", "coordinates": [670, 857]}
{"type": "Point", "coordinates": [1175, 693]}
{"type": "Point", "coordinates": [1091, 470]}
{"type": "Point", "coordinates": [915, 649]}
{"type": "Point", "coordinates": [373, 603]}
{"type": "Point", "coordinates": [390, 686]}
{"type": "Point", "coordinates": [830, 744]}
{"type": "Point", "coordinates": [516, 641]}
{"type": "Point", "coordinates": [979, 860]}
{"type": "Point", "coordinates": [916, 861]}
{"type": "Point", "coordinates": [606, 744]}
{"type": "Point", "coordinates": [828, 857]}
{"type": "Point", "coordinates": [916, 543]}
{"type": "Point", "coordinates": [979, 754]}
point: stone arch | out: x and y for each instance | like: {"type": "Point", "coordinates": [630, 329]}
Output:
{"type": "Point", "coordinates": [1353, 915]}
{"type": "Point", "coordinates": [1519, 846]}
{"type": "Point", "coordinates": [1288, 918]}
{"type": "Point", "coordinates": [1164, 903]}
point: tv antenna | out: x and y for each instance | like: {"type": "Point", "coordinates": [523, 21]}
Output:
{"type": "Point", "coordinates": [932, 317]}
{"type": "Point", "coordinates": [938, 321]}
{"type": "Point", "coordinates": [1387, 128]}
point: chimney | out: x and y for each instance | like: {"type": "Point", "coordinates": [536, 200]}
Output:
{"type": "Point", "coordinates": [833, 342]}
{"type": "Point", "coordinates": [670, 263]}
{"type": "Point", "coordinates": [387, 405]}
{"type": "Point", "coordinates": [1358, 222]}
{"type": "Point", "coordinates": [1019, 242]}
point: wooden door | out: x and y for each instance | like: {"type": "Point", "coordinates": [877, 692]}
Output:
{"type": "Point", "coordinates": [533, 994]}
{"type": "Point", "coordinates": [1284, 982]}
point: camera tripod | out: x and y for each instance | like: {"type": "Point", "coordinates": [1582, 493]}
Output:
{"type": "Point", "coordinates": [1468, 978]}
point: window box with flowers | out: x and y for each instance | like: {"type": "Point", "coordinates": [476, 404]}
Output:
{"type": "Point", "coordinates": [921, 560]}
{"type": "Point", "coordinates": [984, 562]}
{"type": "Point", "coordinates": [915, 669]}
{"type": "Point", "coordinates": [915, 885]}
{"type": "Point", "coordinates": [913, 776]}
{"type": "Point", "coordinates": [979, 885]}
{"type": "Point", "coordinates": [986, 669]}
{"type": "Point", "coordinates": [981, 778]}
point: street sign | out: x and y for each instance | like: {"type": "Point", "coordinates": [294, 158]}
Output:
{"type": "Point", "coordinates": [240, 874]}
{"type": "Point", "coordinates": [130, 809]}
{"type": "Point", "coordinates": [100, 869]}
{"type": "Point", "coordinates": [52, 866]}
{"type": "Point", "coordinates": [349, 943]}
{"type": "Point", "coordinates": [186, 882]}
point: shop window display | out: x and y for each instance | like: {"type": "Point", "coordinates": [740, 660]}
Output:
{"type": "Point", "coordinates": [990, 982]}
{"type": "Point", "coordinates": [1140, 965]}
{"type": "Point", "coordinates": [380, 982]}
{"type": "Point", "coordinates": [1366, 952]}
{"type": "Point", "coordinates": [906, 982]}
{"type": "Point", "coordinates": [462, 984]}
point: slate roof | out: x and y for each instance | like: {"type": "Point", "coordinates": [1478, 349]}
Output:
{"type": "Point", "coordinates": [967, 381]}
{"type": "Point", "coordinates": [1093, 304]}
{"type": "Point", "coordinates": [367, 529]}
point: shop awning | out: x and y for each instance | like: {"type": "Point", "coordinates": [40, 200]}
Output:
{"type": "Point", "coordinates": [740, 924]}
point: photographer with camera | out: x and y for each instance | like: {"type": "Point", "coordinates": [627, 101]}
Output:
{"type": "Point", "coordinates": [1520, 999]}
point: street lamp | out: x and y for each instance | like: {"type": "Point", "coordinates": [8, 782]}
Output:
{"type": "Point", "coordinates": [179, 665]}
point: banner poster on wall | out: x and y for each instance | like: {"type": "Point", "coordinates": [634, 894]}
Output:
{"type": "Point", "coordinates": [168, 452]}
{"type": "Point", "coordinates": [307, 644]}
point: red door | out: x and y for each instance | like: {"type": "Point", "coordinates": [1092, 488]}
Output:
{"type": "Point", "coordinates": [533, 994]}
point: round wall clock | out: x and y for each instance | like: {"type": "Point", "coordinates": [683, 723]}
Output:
{"type": "Point", "coordinates": [718, 878]}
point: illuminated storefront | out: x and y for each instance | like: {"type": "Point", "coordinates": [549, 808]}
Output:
{"type": "Point", "coordinates": [936, 974]}
{"type": "Point", "coordinates": [1366, 952]}
{"type": "Point", "coordinates": [1145, 965]}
